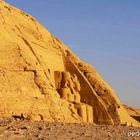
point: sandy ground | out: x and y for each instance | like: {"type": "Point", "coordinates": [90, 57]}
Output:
{"type": "Point", "coordinates": [11, 129]}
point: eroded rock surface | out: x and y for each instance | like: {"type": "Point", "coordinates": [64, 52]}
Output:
{"type": "Point", "coordinates": [133, 112]}
{"type": "Point", "coordinates": [41, 79]}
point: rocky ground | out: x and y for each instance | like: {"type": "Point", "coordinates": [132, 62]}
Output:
{"type": "Point", "coordinates": [11, 129]}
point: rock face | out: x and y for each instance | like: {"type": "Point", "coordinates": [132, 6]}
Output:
{"type": "Point", "coordinates": [41, 79]}
{"type": "Point", "coordinates": [133, 112]}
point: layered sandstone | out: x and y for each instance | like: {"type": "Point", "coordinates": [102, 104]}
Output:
{"type": "Point", "coordinates": [41, 79]}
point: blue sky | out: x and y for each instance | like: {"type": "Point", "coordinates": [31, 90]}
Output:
{"type": "Point", "coordinates": [104, 33]}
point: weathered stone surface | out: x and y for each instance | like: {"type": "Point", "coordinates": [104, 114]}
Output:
{"type": "Point", "coordinates": [41, 79]}
{"type": "Point", "coordinates": [133, 112]}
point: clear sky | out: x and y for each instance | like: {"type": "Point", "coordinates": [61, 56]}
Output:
{"type": "Point", "coordinates": [104, 33]}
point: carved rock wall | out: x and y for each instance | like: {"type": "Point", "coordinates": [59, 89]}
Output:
{"type": "Point", "coordinates": [40, 78]}
{"type": "Point", "coordinates": [68, 87]}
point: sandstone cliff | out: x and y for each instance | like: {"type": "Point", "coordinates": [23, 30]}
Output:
{"type": "Point", "coordinates": [41, 79]}
{"type": "Point", "coordinates": [133, 112]}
